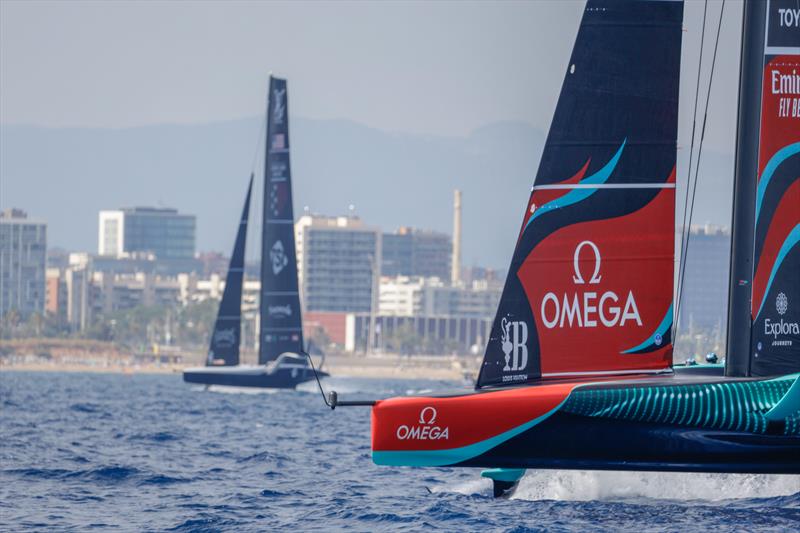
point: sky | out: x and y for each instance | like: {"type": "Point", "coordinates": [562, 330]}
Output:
{"type": "Point", "coordinates": [435, 68]}
{"type": "Point", "coordinates": [426, 68]}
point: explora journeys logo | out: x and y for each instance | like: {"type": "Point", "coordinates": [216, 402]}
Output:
{"type": "Point", "coordinates": [781, 327]}
{"type": "Point", "coordinates": [426, 429]}
{"type": "Point", "coordinates": [588, 309]}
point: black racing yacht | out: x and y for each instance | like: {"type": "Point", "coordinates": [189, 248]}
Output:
{"type": "Point", "coordinates": [282, 363]}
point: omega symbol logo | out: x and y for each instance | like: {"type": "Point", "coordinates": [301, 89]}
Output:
{"type": "Point", "coordinates": [427, 416]}
{"type": "Point", "coordinates": [578, 277]}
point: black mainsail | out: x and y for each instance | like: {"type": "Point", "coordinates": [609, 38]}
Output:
{"type": "Point", "coordinates": [226, 336]}
{"type": "Point", "coordinates": [281, 323]}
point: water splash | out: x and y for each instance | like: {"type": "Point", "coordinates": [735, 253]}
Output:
{"type": "Point", "coordinates": [579, 485]}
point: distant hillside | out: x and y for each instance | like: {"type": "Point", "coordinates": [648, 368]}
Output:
{"type": "Point", "coordinates": [65, 176]}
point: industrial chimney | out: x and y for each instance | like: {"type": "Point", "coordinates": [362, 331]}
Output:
{"type": "Point", "coordinates": [455, 274]}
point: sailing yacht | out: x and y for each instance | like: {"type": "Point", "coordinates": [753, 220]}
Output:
{"type": "Point", "coordinates": [578, 370]}
{"type": "Point", "coordinates": [282, 363]}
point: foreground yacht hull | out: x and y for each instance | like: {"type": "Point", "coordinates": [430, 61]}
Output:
{"type": "Point", "coordinates": [263, 376]}
{"type": "Point", "coordinates": [670, 423]}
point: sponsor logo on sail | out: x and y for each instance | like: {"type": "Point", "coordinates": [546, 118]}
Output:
{"type": "Point", "coordinates": [425, 429]}
{"type": "Point", "coordinates": [277, 257]}
{"type": "Point", "coordinates": [225, 337]}
{"type": "Point", "coordinates": [781, 304]}
{"type": "Point", "coordinates": [513, 339]}
{"type": "Point", "coordinates": [779, 328]}
{"type": "Point", "coordinates": [790, 18]}
{"type": "Point", "coordinates": [280, 311]}
{"type": "Point", "coordinates": [588, 309]}
{"type": "Point", "coordinates": [279, 107]}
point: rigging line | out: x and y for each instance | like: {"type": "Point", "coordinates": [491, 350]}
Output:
{"type": "Point", "coordinates": [700, 149]}
{"type": "Point", "coordinates": [691, 155]}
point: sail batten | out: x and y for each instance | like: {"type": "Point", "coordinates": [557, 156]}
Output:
{"type": "Point", "coordinates": [589, 289]}
{"type": "Point", "coordinates": [226, 336]}
{"type": "Point", "coordinates": [281, 322]}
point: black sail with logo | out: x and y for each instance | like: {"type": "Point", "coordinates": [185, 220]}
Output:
{"type": "Point", "coordinates": [281, 324]}
{"type": "Point", "coordinates": [616, 119]}
{"type": "Point", "coordinates": [224, 347]}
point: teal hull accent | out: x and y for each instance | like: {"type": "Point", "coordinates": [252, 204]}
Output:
{"type": "Point", "coordinates": [509, 475]}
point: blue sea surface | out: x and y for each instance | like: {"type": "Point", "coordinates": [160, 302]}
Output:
{"type": "Point", "coordinates": [148, 452]}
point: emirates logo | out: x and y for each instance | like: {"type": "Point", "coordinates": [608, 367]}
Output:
{"type": "Point", "coordinates": [781, 304]}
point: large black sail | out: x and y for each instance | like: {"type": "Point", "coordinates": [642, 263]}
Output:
{"type": "Point", "coordinates": [281, 322]}
{"type": "Point", "coordinates": [589, 289]}
{"type": "Point", "coordinates": [224, 348]}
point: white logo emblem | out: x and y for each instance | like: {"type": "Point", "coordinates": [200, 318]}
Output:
{"type": "Point", "coordinates": [425, 430]}
{"type": "Point", "coordinates": [513, 341]}
{"type": "Point", "coordinates": [278, 258]}
{"type": "Point", "coordinates": [781, 304]}
{"type": "Point", "coordinates": [578, 278]}
{"type": "Point", "coordinates": [280, 107]}
{"type": "Point", "coordinates": [280, 311]}
{"type": "Point", "coordinates": [225, 337]}
{"type": "Point", "coordinates": [583, 310]}
{"type": "Point", "coordinates": [427, 411]}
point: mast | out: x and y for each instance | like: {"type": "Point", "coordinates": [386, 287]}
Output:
{"type": "Point", "coordinates": [737, 361]}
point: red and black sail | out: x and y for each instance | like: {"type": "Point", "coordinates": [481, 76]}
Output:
{"type": "Point", "coordinates": [281, 322]}
{"type": "Point", "coordinates": [775, 304]}
{"type": "Point", "coordinates": [590, 286]}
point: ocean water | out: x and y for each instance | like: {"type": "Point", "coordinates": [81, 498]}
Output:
{"type": "Point", "coordinates": [148, 452]}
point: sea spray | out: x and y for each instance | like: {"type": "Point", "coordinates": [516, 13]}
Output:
{"type": "Point", "coordinates": [580, 485]}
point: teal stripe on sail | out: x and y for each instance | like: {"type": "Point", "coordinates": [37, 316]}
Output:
{"type": "Point", "coordinates": [788, 244]}
{"type": "Point", "coordinates": [775, 161]}
{"type": "Point", "coordinates": [578, 195]}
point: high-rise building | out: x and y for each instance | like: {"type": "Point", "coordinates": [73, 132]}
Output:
{"type": "Point", "coordinates": [405, 296]}
{"type": "Point", "coordinates": [162, 232]}
{"type": "Point", "coordinates": [417, 253]}
{"type": "Point", "coordinates": [338, 263]}
{"type": "Point", "coordinates": [23, 258]}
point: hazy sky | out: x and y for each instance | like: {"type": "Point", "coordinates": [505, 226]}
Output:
{"type": "Point", "coordinates": [441, 68]}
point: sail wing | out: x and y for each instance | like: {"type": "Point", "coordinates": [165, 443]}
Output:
{"type": "Point", "coordinates": [225, 339]}
{"type": "Point", "coordinates": [589, 289]}
{"type": "Point", "coordinates": [775, 307]}
{"type": "Point", "coordinates": [281, 322]}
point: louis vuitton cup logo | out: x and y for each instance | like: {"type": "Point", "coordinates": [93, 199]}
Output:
{"type": "Point", "coordinates": [514, 336]}
{"type": "Point", "coordinates": [277, 257]}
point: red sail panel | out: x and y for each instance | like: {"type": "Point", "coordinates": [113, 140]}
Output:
{"type": "Point", "coordinates": [601, 292]}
